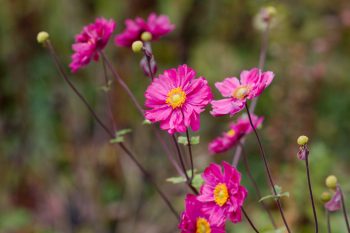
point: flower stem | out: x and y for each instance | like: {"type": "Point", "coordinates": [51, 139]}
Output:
{"type": "Point", "coordinates": [310, 190]}
{"type": "Point", "coordinates": [344, 209]}
{"type": "Point", "coordinates": [188, 180]}
{"type": "Point", "coordinates": [262, 153]}
{"type": "Point", "coordinates": [328, 216]}
{"type": "Point", "coordinates": [249, 221]}
{"type": "Point", "coordinates": [256, 187]}
{"type": "Point", "coordinates": [111, 134]}
{"type": "Point", "coordinates": [190, 152]}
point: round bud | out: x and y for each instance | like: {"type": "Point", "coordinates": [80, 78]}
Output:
{"type": "Point", "coordinates": [146, 36]}
{"type": "Point", "coordinates": [42, 37]}
{"type": "Point", "coordinates": [137, 46]}
{"type": "Point", "coordinates": [302, 140]}
{"type": "Point", "coordinates": [271, 11]}
{"type": "Point", "coordinates": [331, 182]}
{"type": "Point", "coordinates": [326, 197]}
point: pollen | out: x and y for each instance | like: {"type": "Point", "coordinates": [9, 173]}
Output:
{"type": "Point", "coordinates": [221, 194]}
{"type": "Point", "coordinates": [231, 133]}
{"type": "Point", "coordinates": [202, 226]}
{"type": "Point", "coordinates": [176, 97]}
{"type": "Point", "coordinates": [240, 92]}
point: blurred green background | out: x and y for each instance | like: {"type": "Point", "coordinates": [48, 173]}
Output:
{"type": "Point", "coordinates": [58, 173]}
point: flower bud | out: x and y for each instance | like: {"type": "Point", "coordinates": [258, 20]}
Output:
{"type": "Point", "coordinates": [137, 46]}
{"type": "Point", "coordinates": [302, 140]}
{"type": "Point", "coordinates": [146, 36]}
{"type": "Point", "coordinates": [42, 37]}
{"type": "Point", "coordinates": [331, 182]}
{"type": "Point", "coordinates": [326, 197]}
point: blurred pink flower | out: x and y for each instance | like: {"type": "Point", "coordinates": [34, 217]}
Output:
{"type": "Point", "coordinates": [237, 130]}
{"type": "Point", "coordinates": [90, 41]}
{"type": "Point", "coordinates": [335, 203]}
{"type": "Point", "coordinates": [251, 84]}
{"type": "Point", "coordinates": [176, 98]}
{"type": "Point", "coordinates": [221, 194]}
{"type": "Point", "coordinates": [193, 220]}
{"type": "Point", "coordinates": [156, 25]}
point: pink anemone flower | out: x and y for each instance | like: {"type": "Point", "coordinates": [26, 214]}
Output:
{"type": "Point", "coordinates": [90, 41]}
{"type": "Point", "coordinates": [237, 130]}
{"type": "Point", "coordinates": [176, 98]}
{"type": "Point", "coordinates": [193, 220]}
{"type": "Point", "coordinates": [251, 84]}
{"type": "Point", "coordinates": [157, 26]}
{"type": "Point", "coordinates": [221, 194]}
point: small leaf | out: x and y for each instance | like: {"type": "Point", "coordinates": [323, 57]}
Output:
{"type": "Point", "coordinates": [197, 181]}
{"type": "Point", "coordinates": [146, 122]}
{"type": "Point", "coordinates": [182, 140]}
{"type": "Point", "coordinates": [278, 189]}
{"type": "Point", "coordinates": [122, 132]}
{"type": "Point", "coordinates": [195, 140]}
{"type": "Point", "coordinates": [266, 197]}
{"type": "Point", "coordinates": [176, 179]}
{"type": "Point", "coordinates": [107, 87]}
{"type": "Point", "coordinates": [285, 194]}
{"type": "Point", "coordinates": [117, 139]}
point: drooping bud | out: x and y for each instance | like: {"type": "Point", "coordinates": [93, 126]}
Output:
{"type": "Point", "coordinates": [42, 37]}
{"type": "Point", "coordinates": [326, 197]}
{"type": "Point", "coordinates": [335, 203]}
{"type": "Point", "coordinates": [331, 182]}
{"type": "Point", "coordinates": [137, 46]}
{"type": "Point", "coordinates": [302, 140]}
{"type": "Point", "coordinates": [146, 36]}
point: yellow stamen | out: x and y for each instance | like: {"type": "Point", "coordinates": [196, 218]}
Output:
{"type": "Point", "coordinates": [202, 226]}
{"type": "Point", "coordinates": [221, 194]}
{"type": "Point", "coordinates": [240, 92]}
{"type": "Point", "coordinates": [231, 133]}
{"type": "Point", "coordinates": [176, 97]}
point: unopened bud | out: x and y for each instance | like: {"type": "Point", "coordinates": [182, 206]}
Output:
{"type": "Point", "coordinates": [146, 36]}
{"type": "Point", "coordinates": [326, 197]}
{"type": "Point", "coordinates": [331, 182]}
{"type": "Point", "coordinates": [42, 37]}
{"type": "Point", "coordinates": [302, 140]}
{"type": "Point", "coordinates": [137, 46]}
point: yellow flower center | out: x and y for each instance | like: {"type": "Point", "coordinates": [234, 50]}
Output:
{"type": "Point", "coordinates": [241, 92]}
{"type": "Point", "coordinates": [176, 97]}
{"type": "Point", "coordinates": [203, 226]}
{"type": "Point", "coordinates": [220, 194]}
{"type": "Point", "coordinates": [231, 133]}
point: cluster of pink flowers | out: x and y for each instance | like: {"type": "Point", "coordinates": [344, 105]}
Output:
{"type": "Point", "coordinates": [221, 197]}
{"type": "Point", "coordinates": [232, 137]}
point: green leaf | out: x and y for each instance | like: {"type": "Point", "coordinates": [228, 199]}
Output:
{"type": "Point", "coordinates": [196, 182]}
{"type": "Point", "coordinates": [266, 197]}
{"type": "Point", "coordinates": [107, 87]}
{"type": "Point", "coordinates": [195, 140]}
{"type": "Point", "coordinates": [122, 132]}
{"type": "Point", "coordinates": [146, 122]}
{"type": "Point", "coordinates": [176, 179]}
{"type": "Point", "coordinates": [279, 194]}
{"type": "Point", "coordinates": [183, 140]}
{"type": "Point", "coordinates": [278, 189]}
{"type": "Point", "coordinates": [119, 136]}
{"type": "Point", "coordinates": [117, 139]}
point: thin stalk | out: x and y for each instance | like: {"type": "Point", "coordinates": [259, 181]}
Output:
{"type": "Point", "coordinates": [262, 59]}
{"type": "Point", "coordinates": [111, 134]}
{"type": "Point", "coordinates": [328, 217]}
{"type": "Point", "coordinates": [139, 108]}
{"type": "Point", "coordinates": [256, 187]}
{"type": "Point", "coordinates": [262, 153]}
{"type": "Point", "coordinates": [310, 190]}
{"type": "Point", "coordinates": [249, 221]}
{"type": "Point", "coordinates": [344, 209]}
{"type": "Point", "coordinates": [190, 152]}
{"type": "Point", "coordinates": [188, 181]}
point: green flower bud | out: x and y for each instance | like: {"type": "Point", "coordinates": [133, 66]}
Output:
{"type": "Point", "coordinates": [146, 36]}
{"type": "Point", "coordinates": [302, 140]}
{"type": "Point", "coordinates": [137, 46]}
{"type": "Point", "coordinates": [326, 197]}
{"type": "Point", "coordinates": [42, 37]}
{"type": "Point", "coordinates": [331, 182]}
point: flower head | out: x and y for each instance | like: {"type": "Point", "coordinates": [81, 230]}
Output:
{"type": "Point", "coordinates": [193, 220]}
{"type": "Point", "coordinates": [237, 130]}
{"type": "Point", "coordinates": [251, 84]}
{"type": "Point", "coordinates": [335, 203]}
{"type": "Point", "coordinates": [139, 29]}
{"type": "Point", "coordinates": [176, 98]}
{"type": "Point", "coordinates": [221, 194]}
{"type": "Point", "coordinates": [90, 41]}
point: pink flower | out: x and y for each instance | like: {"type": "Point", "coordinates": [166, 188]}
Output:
{"type": "Point", "coordinates": [193, 220]}
{"type": "Point", "coordinates": [221, 194]}
{"type": "Point", "coordinates": [90, 41]}
{"type": "Point", "coordinates": [237, 130]}
{"type": "Point", "coordinates": [251, 84]}
{"type": "Point", "coordinates": [176, 98]}
{"type": "Point", "coordinates": [156, 25]}
{"type": "Point", "coordinates": [335, 203]}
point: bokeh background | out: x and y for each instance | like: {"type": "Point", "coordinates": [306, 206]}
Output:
{"type": "Point", "coordinates": [58, 172]}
